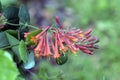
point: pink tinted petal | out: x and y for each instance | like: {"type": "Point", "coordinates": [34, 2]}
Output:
{"type": "Point", "coordinates": [55, 49]}
{"type": "Point", "coordinates": [58, 22]}
{"type": "Point", "coordinates": [72, 38]}
{"type": "Point", "coordinates": [56, 55]}
{"type": "Point", "coordinates": [41, 33]}
{"type": "Point", "coordinates": [92, 39]}
{"type": "Point", "coordinates": [47, 46]}
{"type": "Point", "coordinates": [39, 47]}
{"type": "Point", "coordinates": [25, 34]}
{"type": "Point", "coordinates": [73, 49]}
{"type": "Point", "coordinates": [88, 32]}
{"type": "Point", "coordinates": [88, 51]}
{"type": "Point", "coordinates": [62, 47]}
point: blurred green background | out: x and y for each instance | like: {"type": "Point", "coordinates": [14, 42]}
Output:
{"type": "Point", "coordinates": [103, 16]}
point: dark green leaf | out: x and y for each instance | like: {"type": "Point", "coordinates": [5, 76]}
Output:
{"type": "Point", "coordinates": [0, 7]}
{"type": "Point", "coordinates": [14, 42]}
{"type": "Point", "coordinates": [3, 40]}
{"type": "Point", "coordinates": [11, 14]}
{"type": "Point", "coordinates": [13, 33]}
{"type": "Point", "coordinates": [31, 62]}
{"type": "Point", "coordinates": [23, 51]}
{"type": "Point", "coordinates": [24, 21]}
{"type": "Point", "coordinates": [24, 15]}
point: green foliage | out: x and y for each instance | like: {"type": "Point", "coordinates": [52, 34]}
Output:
{"type": "Point", "coordinates": [4, 41]}
{"type": "Point", "coordinates": [88, 12]}
{"type": "Point", "coordinates": [24, 20]}
{"type": "Point", "coordinates": [8, 69]}
{"type": "Point", "coordinates": [12, 39]}
{"type": "Point", "coordinates": [24, 15]}
{"type": "Point", "coordinates": [11, 14]}
{"type": "Point", "coordinates": [0, 7]}
{"type": "Point", "coordinates": [23, 51]}
{"type": "Point", "coordinates": [14, 42]}
{"type": "Point", "coordinates": [13, 33]}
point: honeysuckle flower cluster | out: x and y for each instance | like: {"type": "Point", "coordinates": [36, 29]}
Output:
{"type": "Point", "coordinates": [51, 42]}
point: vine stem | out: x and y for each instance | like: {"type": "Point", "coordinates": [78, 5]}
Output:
{"type": "Point", "coordinates": [32, 26]}
{"type": "Point", "coordinates": [12, 24]}
{"type": "Point", "coordinates": [22, 24]}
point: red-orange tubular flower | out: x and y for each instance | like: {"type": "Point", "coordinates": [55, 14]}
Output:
{"type": "Point", "coordinates": [58, 40]}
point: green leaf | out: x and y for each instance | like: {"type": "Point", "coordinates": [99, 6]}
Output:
{"type": "Point", "coordinates": [24, 20]}
{"type": "Point", "coordinates": [11, 14]}
{"type": "Point", "coordinates": [33, 33]}
{"type": "Point", "coordinates": [8, 68]}
{"type": "Point", "coordinates": [0, 7]}
{"type": "Point", "coordinates": [13, 33]}
{"type": "Point", "coordinates": [23, 51]}
{"type": "Point", "coordinates": [3, 40]}
{"type": "Point", "coordinates": [24, 15]}
{"type": "Point", "coordinates": [30, 62]}
{"type": "Point", "coordinates": [13, 41]}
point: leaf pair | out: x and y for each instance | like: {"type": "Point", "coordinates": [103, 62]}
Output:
{"type": "Point", "coordinates": [27, 58]}
{"type": "Point", "coordinates": [21, 52]}
{"type": "Point", "coordinates": [17, 18]}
